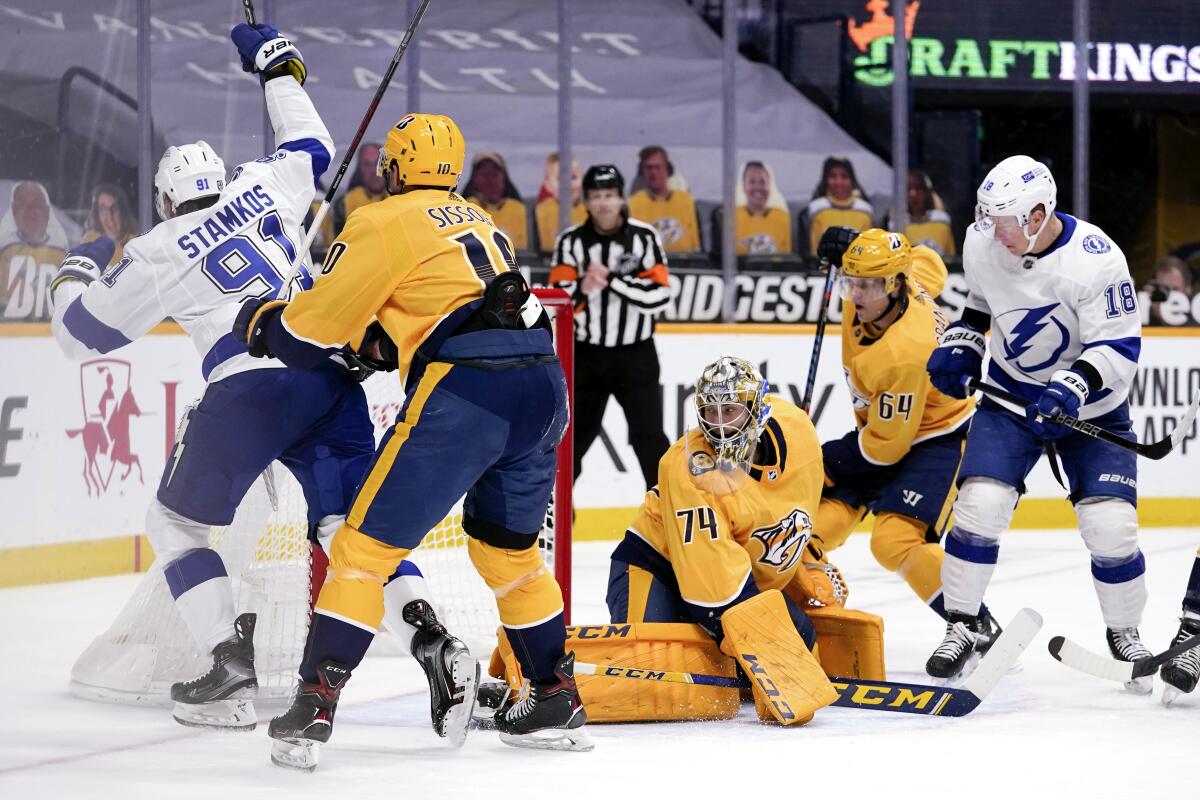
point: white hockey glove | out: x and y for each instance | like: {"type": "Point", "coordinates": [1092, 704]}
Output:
{"type": "Point", "coordinates": [84, 263]}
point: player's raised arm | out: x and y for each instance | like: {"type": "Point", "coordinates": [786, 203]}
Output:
{"type": "Point", "coordinates": [302, 142]}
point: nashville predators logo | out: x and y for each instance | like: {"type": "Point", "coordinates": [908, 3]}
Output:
{"type": "Point", "coordinates": [783, 542]}
{"type": "Point", "coordinates": [701, 462]}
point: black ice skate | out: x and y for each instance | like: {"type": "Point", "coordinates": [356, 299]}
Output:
{"type": "Point", "coordinates": [1125, 644]}
{"type": "Point", "coordinates": [308, 724]}
{"type": "Point", "coordinates": [550, 716]}
{"type": "Point", "coordinates": [223, 696]}
{"type": "Point", "coordinates": [452, 673]}
{"type": "Point", "coordinates": [989, 632]}
{"type": "Point", "coordinates": [1182, 672]}
{"type": "Point", "coordinates": [964, 635]}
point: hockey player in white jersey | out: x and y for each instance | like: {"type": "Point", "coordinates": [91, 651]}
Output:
{"type": "Point", "coordinates": [218, 245]}
{"type": "Point", "coordinates": [1056, 294]}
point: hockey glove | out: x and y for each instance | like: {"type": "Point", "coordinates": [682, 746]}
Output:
{"type": "Point", "coordinates": [265, 53]}
{"type": "Point", "coordinates": [253, 319]}
{"type": "Point", "coordinates": [1064, 394]}
{"type": "Point", "coordinates": [957, 359]}
{"type": "Point", "coordinates": [85, 262]}
{"type": "Point", "coordinates": [834, 243]}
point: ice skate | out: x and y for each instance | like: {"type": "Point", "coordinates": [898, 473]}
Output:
{"type": "Point", "coordinates": [1181, 673]}
{"type": "Point", "coordinates": [308, 724]}
{"type": "Point", "coordinates": [1126, 645]}
{"type": "Point", "coordinates": [223, 696]}
{"type": "Point", "coordinates": [964, 635]}
{"type": "Point", "coordinates": [452, 672]}
{"type": "Point", "coordinates": [550, 716]}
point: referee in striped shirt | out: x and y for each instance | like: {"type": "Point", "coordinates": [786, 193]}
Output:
{"type": "Point", "coordinates": [615, 270]}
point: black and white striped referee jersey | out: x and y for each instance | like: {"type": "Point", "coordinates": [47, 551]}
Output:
{"type": "Point", "coordinates": [623, 312]}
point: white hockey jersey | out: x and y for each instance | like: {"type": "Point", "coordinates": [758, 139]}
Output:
{"type": "Point", "coordinates": [1076, 301]}
{"type": "Point", "coordinates": [197, 268]}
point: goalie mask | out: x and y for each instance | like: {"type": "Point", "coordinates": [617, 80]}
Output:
{"type": "Point", "coordinates": [732, 408]}
{"type": "Point", "coordinates": [1007, 197]}
{"type": "Point", "coordinates": [187, 172]}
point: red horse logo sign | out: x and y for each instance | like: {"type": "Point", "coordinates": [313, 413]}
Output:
{"type": "Point", "coordinates": [108, 403]}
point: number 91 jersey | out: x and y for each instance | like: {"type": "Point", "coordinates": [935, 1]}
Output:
{"type": "Point", "coordinates": [408, 260]}
{"type": "Point", "coordinates": [197, 268]}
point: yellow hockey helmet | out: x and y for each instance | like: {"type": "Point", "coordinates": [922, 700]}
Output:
{"type": "Point", "coordinates": [878, 254]}
{"type": "Point", "coordinates": [428, 150]}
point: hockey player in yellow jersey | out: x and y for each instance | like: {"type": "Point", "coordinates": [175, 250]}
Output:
{"type": "Point", "coordinates": [423, 281]}
{"type": "Point", "coordinates": [720, 539]}
{"type": "Point", "coordinates": [901, 459]}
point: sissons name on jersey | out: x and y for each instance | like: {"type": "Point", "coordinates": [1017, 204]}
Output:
{"type": "Point", "coordinates": [226, 221]}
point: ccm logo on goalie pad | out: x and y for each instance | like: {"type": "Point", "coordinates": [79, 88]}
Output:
{"type": "Point", "coordinates": [783, 542]}
{"type": "Point", "coordinates": [764, 681]}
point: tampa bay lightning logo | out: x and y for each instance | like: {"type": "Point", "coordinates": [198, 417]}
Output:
{"type": "Point", "coordinates": [1096, 244]}
{"type": "Point", "coordinates": [1037, 340]}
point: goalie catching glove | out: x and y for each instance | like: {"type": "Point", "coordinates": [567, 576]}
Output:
{"type": "Point", "coordinates": [267, 54]}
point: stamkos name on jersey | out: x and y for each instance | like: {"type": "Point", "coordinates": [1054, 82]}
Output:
{"type": "Point", "coordinates": [226, 220]}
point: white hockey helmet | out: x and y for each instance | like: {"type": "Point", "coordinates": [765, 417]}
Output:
{"type": "Point", "coordinates": [185, 173]}
{"type": "Point", "coordinates": [1014, 188]}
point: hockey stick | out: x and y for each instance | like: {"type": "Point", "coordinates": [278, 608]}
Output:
{"type": "Point", "coordinates": [362, 129]}
{"type": "Point", "coordinates": [818, 339]}
{"type": "Point", "coordinates": [1080, 658]}
{"type": "Point", "coordinates": [248, 7]}
{"type": "Point", "coordinates": [905, 698]}
{"type": "Point", "coordinates": [1155, 450]}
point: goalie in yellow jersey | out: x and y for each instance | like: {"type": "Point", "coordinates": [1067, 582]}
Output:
{"type": "Point", "coordinates": [719, 541]}
{"type": "Point", "coordinates": [901, 460]}
{"type": "Point", "coordinates": [424, 282]}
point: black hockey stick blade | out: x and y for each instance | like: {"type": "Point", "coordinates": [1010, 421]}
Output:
{"type": "Point", "coordinates": [1154, 450]}
{"type": "Point", "coordinates": [1081, 659]}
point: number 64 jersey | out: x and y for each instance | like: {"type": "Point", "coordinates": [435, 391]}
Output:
{"type": "Point", "coordinates": [1074, 302]}
{"type": "Point", "coordinates": [197, 268]}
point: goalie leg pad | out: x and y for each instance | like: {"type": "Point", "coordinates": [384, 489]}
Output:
{"type": "Point", "coordinates": [849, 643]}
{"type": "Point", "coordinates": [786, 677]}
{"type": "Point", "coordinates": [651, 646]}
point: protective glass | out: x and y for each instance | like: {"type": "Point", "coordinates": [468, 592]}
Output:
{"type": "Point", "coordinates": [862, 290]}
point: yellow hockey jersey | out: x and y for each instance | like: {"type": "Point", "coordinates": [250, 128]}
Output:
{"type": "Point", "coordinates": [933, 231]}
{"type": "Point", "coordinates": [717, 529]}
{"type": "Point", "coordinates": [510, 216]}
{"type": "Point", "coordinates": [823, 214]}
{"type": "Point", "coordinates": [895, 405]}
{"type": "Point", "coordinates": [762, 234]}
{"type": "Point", "coordinates": [546, 216]}
{"type": "Point", "coordinates": [409, 261]}
{"type": "Point", "coordinates": [26, 271]}
{"type": "Point", "coordinates": [674, 218]}
{"type": "Point", "coordinates": [119, 250]}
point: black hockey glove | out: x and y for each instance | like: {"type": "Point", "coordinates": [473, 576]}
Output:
{"type": "Point", "coordinates": [834, 243]}
{"type": "Point", "coordinates": [253, 319]}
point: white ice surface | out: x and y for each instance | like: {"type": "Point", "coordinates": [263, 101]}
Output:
{"type": "Point", "coordinates": [1044, 732]}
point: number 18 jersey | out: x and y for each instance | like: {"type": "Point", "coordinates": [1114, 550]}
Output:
{"type": "Point", "coordinates": [409, 260]}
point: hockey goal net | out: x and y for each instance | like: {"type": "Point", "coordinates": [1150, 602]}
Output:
{"type": "Point", "coordinates": [267, 554]}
